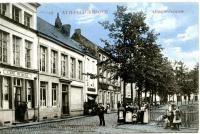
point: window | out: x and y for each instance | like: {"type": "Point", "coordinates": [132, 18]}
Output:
{"type": "Point", "coordinates": [64, 65]}
{"type": "Point", "coordinates": [3, 46]}
{"type": "Point", "coordinates": [30, 93]}
{"type": "Point", "coordinates": [100, 57]}
{"type": "Point", "coordinates": [43, 90]}
{"type": "Point", "coordinates": [18, 91]}
{"type": "Point", "coordinates": [80, 70]}
{"type": "Point", "coordinates": [53, 61]}
{"type": "Point", "coordinates": [43, 59]}
{"type": "Point", "coordinates": [54, 94]}
{"type": "Point", "coordinates": [16, 13]}
{"type": "Point", "coordinates": [3, 8]}
{"type": "Point", "coordinates": [93, 66]}
{"type": "Point", "coordinates": [16, 50]}
{"type": "Point", "coordinates": [28, 54]}
{"type": "Point", "coordinates": [5, 93]}
{"type": "Point", "coordinates": [73, 67]}
{"type": "Point", "coordinates": [27, 19]}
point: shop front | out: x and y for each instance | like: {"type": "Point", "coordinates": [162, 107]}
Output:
{"type": "Point", "coordinates": [18, 90]}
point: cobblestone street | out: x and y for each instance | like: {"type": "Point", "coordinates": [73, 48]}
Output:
{"type": "Point", "coordinates": [91, 125]}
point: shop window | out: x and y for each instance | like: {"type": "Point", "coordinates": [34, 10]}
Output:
{"type": "Point", "coordinates": [30, 93]}
{"type": "Point", "coordinates": [5, 93]}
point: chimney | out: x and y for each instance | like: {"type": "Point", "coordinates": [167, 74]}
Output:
{"type": "Point", "coordinates": [66, 29]}
{"type": "Point", "coordinates": [78, 31]}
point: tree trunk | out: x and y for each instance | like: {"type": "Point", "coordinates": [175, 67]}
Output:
{"type": "Point", "coordinates": [124, 94]}
{"type": "Point", "coordinates": [139, 94]}
{"type": "Point", "coordinates": [131, 92]}
{"type": "Point", "coordinates": [145, 95]}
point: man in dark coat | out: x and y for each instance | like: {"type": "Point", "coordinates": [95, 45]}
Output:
{"type": "Point", "coordinates": [100, 112]}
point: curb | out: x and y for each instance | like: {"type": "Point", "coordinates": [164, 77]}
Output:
{"type": "Point", "coordinates": [42, 122]}
{"type": "Point", "coordinates": [48, 121]}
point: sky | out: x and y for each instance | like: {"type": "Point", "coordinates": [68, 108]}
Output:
{"type": "Point", "coordinates": [177, 23]}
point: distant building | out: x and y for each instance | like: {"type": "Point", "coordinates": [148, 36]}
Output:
{"type": "Point", "coordinates": [90, 51]}
{"type": "Point", "coordinates": [108, 89]}
{"type": "Point", "coordinates": [18, 60]}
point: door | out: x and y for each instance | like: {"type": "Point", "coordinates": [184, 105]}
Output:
{"type": "Point", "coordinates": [65, 99]}
{"type": "Point", "coordinates": [18, 109]}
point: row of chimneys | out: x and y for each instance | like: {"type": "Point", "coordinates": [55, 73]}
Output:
{"type": "Point", "coordinates": [65, 29]}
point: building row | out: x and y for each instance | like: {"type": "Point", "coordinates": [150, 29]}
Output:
{"type": "Point", "coordinates": [45, 68]}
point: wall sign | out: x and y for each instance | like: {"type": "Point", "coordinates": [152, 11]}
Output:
{"type": "Point", "coordinates": [18, 74]}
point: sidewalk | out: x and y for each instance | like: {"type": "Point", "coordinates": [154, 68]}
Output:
{"type": "Point", "coordinates": [48, 121]}
{"type": "Point", "coordinates": [42, 122]}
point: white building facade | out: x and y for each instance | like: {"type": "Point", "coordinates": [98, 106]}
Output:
{"type": "Point", "coordinates": [18, 60]}
{"type": "Point", "coordinates": [90, 80]}
{"type": "Point", "coordinates": [61, 66]}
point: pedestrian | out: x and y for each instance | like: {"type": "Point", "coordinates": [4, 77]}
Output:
{"type": "Point", "coordinates": [142, 114]}
{"type": "Point", "coordinates": [118, 104]}
{"type": "Point", "coordinates": [177, 118]}
{"type": "Point", "coordinates": [146, 114]}
{"type": "Point", "coordinates": [100, 111]}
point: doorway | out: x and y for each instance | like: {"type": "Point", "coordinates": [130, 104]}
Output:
{"type": "Point", "coordinates": [18, 99]}
{"type": "Point", "coordinates": [65, 99]}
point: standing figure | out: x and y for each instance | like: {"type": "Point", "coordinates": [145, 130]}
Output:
{"type": "Point", "coordinates": [142, 114]}
{"type": "Point", "coordinates": [146, 114]}
{"type": "Point", "coordinates": [100, 112]}
{"type": "Point", "coordinates": [177, 118]}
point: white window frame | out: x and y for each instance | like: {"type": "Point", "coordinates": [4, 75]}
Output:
{"type": "Point", "coordinates": [64, 65]}
{"type": "Point", "coordinates": [4, 42]}
{"type": "Point", "coordinates": [43, 52]}
{"type": "Point", "coordinates": [15, 11]}
{"type": "Point", "coordinates": [5, 93]}
{"type": "Point", "coordinates": [54, 57]}
{"type": "Point", "coordinates": [73, 67]}
{"type": "Point", "coordinates": [3, 9]}
{"type": "Point", "coordinates": [28, 50]}
{"type": "Point", "coordinates": [29, 93]}
{"type": "Point", "coordinates": [43, 99]}
{"type": "Point", "coordinates": [27, 19]}
{"type": "Point", "coordinates": [80, 70]}
{"type": "Point", "coordinates": [54, 94]}
{"type": "Point", "coordinates": [16, 50]}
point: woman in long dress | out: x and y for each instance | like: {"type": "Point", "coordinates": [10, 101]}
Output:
{"type": "Point", "coordinates": [146, 114]}
{"type": "Point", "coordinates": [177, 118]}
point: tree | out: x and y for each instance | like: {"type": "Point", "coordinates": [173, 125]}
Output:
{"type": "Point", "coordinates": [132, 47]}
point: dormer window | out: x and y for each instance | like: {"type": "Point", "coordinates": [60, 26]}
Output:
{"type": "Point", "coordinates": [27, 19]}
{"type": "Point", "coordinates": [16, 13]}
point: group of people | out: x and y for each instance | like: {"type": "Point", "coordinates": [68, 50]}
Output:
{"type": "Point", "coordinates": [173, 117]}
{"type": "Point", "coordinates": [132, 114]}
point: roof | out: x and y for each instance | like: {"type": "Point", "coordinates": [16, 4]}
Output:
{"type": "Point", "coordinates": [51, 31]}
